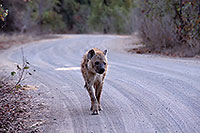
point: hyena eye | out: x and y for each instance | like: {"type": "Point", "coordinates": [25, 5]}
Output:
{"type": "Point", "coordinates": [104, 63]}
{"type": "Point", "coordinates": [96, 63]}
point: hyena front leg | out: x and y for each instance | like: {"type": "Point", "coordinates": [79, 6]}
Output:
{"type": "Point", "coordinates": [94, 103]}
{"type": "Point", "coordinates": [98, 89]}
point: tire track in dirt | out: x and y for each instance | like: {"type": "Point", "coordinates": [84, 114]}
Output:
{"type": "Point", "coordinates": [142, 93]}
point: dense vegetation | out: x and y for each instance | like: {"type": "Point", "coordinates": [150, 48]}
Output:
{"type": "Point", "coordinates": [162, 24]}
{"type": "Point", "coordinates": [171, 24]}
{"type": "Point", "coordinates": [77, 16]}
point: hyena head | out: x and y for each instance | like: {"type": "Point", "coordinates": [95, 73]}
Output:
{"type": "Point", "coordinates": [97, 62]}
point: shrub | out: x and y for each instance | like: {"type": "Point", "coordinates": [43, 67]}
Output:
{"type": "Point", "coordinates": [171, 26]}
{"type": "Point", "coordinates": [109, 16]}
{"type": "Point", "coordinates": [52, 22]}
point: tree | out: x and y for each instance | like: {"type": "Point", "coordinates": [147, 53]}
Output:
{"type": "Point", "coordinates": [175, 23]}
{"type": "Point", "coordinates": [109, 15]}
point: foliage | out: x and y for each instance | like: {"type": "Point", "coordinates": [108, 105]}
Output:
{"type": "Point", "coordinates": [79, 16]}
{"type": "Point", "coordinates": [180, 19]}
{"type": "Point", "coordinates": [109, 15]}
{"type": "Point", "coordinates": [44, 15]}
{"type": "Point", "coordinates": [22, 71]}
{"type": "Point", "coordinates": [75, 14]}
{"type": "Point", "coordinates": [3, 13]}
{"type": "Point", "coordinates": [67, 8]}
{"type": "Point", "coordinates": [15, 19]}
{"type": "Point", "coordinates": [52, 22]}
{"type": "Point", "coordinates": [185, 15]}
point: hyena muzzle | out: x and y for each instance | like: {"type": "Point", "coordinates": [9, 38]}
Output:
{"type": "Point", "coordinates": [94, 68]}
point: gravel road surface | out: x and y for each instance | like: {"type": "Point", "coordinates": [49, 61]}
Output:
{"type": "Point", "coordinates": [141, 94]}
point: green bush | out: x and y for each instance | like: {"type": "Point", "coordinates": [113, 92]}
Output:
{"type": "Point", "coordinates": [109, 16]}
{"type": "Point", "coordinates": [3, 13]}
{"type": "Point", "coordinates": [77, 16]}
{"type": "Point", "coordinates": [52, 22]}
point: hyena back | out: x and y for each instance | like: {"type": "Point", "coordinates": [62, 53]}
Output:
{"type": "Point", "coordinates": [94, 68]}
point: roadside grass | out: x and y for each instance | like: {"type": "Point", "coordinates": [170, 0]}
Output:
{"type": "Point", "coordinates": [9, 40]}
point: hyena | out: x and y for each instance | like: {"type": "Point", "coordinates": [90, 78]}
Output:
{"type": "Point", "coordinates": [94, 68]}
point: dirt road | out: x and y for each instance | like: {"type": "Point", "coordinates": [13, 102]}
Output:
{"type": "Point", "coordinates": [142, 93]}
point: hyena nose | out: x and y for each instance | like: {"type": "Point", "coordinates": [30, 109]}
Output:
{"type": "Point", "coordinates": [102, 70]}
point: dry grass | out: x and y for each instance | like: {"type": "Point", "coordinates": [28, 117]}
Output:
{"type": "Point", "coordinates": [16, 109]}
{"type": "Point", "coordinates": [8, 40]}
{"type": "Point", "coordinates": [20, 109]}
{"type": "Point", "coordinates": [158, 36]}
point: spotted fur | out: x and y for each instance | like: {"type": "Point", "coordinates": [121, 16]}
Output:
{"type": "Point", "coordinates": [94, 67]}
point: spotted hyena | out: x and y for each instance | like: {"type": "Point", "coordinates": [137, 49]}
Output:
{"type": "Point", "coordinates": [93, 68]}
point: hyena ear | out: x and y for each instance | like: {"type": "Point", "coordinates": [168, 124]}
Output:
{"type": "Point", "coordinates": [91, 53]}
{"type": "Point", "coordinates": [105, 52]}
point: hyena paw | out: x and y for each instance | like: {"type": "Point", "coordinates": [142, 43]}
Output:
{"type": "Point", "coordinates": [95, 110]}
{"type": "Point", "coordinates": [91, 108]}
{"type": "Point", "coordinates": [100, 108]}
